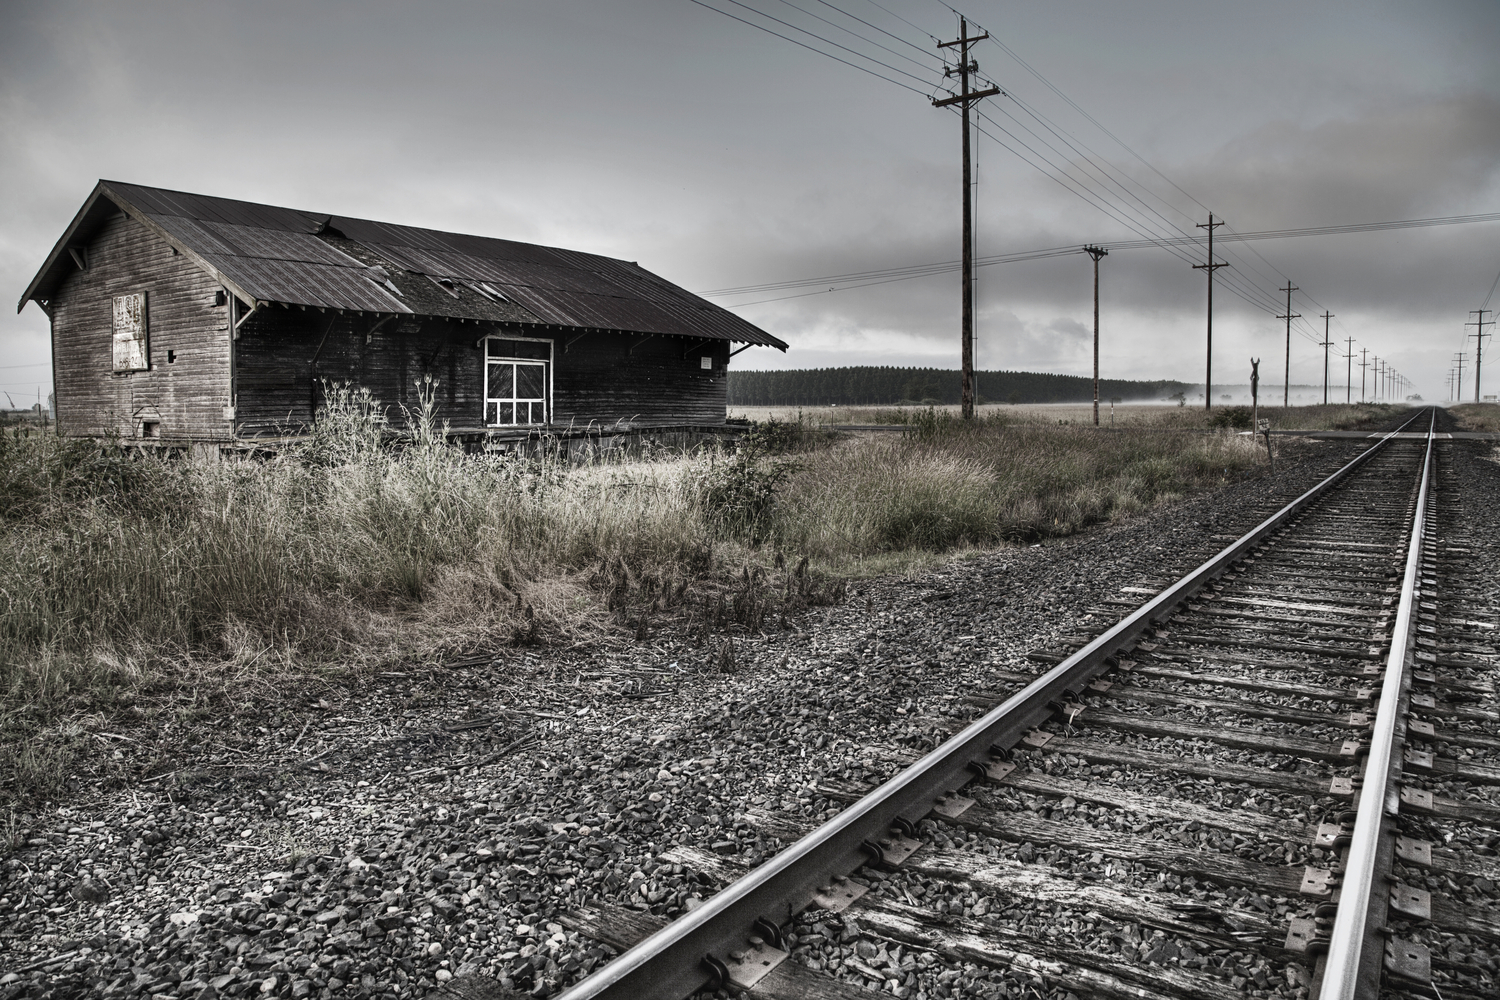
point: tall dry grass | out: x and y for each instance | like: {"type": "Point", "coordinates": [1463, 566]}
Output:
{"type": "Point", "coordinates": [947, 484]}
{"type": "Point", "coordinates": [126, 577]}
{"type": "Point", "coordinates": [1477, 416]}
{"type": "Point", "coordinates": [122, 573]}
{"type": "Point", "coordinates": [341, 548]}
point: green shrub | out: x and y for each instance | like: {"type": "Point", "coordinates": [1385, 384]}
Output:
{"type": "Point", "coordinates": [737, 493]}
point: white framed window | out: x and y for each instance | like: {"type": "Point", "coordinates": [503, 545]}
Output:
{"type": "Point", "coordinates": [131, 347]}
{"type": "Point", "coordinates": [517, 381]}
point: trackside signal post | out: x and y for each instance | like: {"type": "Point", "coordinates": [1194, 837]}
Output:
{"type": "Point", "coordinates": [1256, 423]}
{"type": "Point", "coordinates": [964, 98]}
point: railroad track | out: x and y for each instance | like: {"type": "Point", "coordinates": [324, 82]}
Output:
{"type": "Point", "coordinates": [1273, 777]}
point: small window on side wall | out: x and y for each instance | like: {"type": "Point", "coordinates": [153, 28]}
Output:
{"type": "Point", "coordinates": [131, 348]}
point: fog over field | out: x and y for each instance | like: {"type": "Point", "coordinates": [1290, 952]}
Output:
{"type": "Point", "coordinates": [717, 155]}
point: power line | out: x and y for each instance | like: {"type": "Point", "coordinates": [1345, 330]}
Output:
{"type": "Point", "coordinates": [937, 267]}
{"type": "Point", "coordinates": [904, 277]}
{"type": "Point", "coordinates": [913, 271]}
{"type": "Point", "coordinates": [1491, 295]}
{"type": "Point", "coordinates": [812, 48]}
{"type": "Point", "coordinates": [878, 28]}
{"type": "Point", "coordinates": [964, 100]}
{"type": "Point", "coordinates": [1360, 227]}
{"type": "Point", "coordinates": [1082, 171]}
{"type": "Point", "coordinates": [840, 27]}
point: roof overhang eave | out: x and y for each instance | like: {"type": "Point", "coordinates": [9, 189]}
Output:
{"type": "Point", "coordinates": [125, 206]}
{"type": "Point", "coordinates": [101, 190]}
{"type": "Point", "coordinates": [770, 341]}
{"type": "Point", "coordinates": [61, 246]}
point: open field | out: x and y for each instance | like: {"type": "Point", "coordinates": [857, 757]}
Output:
{"type": "Point", "coordinates": [1126, 415]}
{"type": "Point", "coordinates": [139, 588]}
{"type": "Point", "coordinates": [1477, 416]}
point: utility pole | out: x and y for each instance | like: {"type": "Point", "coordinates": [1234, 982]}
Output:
{"type": "Point", "coordinates": [1479, 336]}
{"type": "Point", "coordinates": [1348, 370]}
{"type": "Point", "coordinates": [1210, 267]}
{"type": "Point", "coordinates": [1362, 365]}
{"type": "Point", "coordinates": [966, 97]}
{"type": "Point", "coordinates": [1096, 253]}
{"type": "Point", "coordinates": [1459, 359]}
{"type": "Point", "coordinates": [1286, 378]}
{"type": "Point", "coordinates": [1326, 344]}
{"type": "Point", "coordinates": [1377, 377]}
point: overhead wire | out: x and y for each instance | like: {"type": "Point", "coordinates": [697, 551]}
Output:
{"type": "Point", "coordinates": [937, 266]}
{"type": "Point", "coordinates": [1123, 181]}
{"type": "Point", "coordinates": [1011, 259]}
{"type": "Point", "coordinates": [1084, 172]}
{"type": "Point", "coordinates": [903, 20]}
{"type": "Point", "coordinates": [840, 27]}
{"type": "Point", "coordinates": [1086, 116]}
{"type": "Point", "coordinates": [828, 41]}
{"type": "Point", "coordinates": [1111, 174]}
{"type": "Point", "coordinates": [812, 48]}
{"type": "Point", "coordinates": [1079, 187]}
{"type": "Point", "coordinates": [877, 27]}
{"type": "Point", "coordinates": [1235, 286]}
{"type": "Point", "coordinates": [1491, 295]}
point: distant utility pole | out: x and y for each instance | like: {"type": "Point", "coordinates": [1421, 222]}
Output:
{"type": "Point", "coordinates": [1326, 344]}
{"type": "Point", "coordinates": [1479, 336]}
{"type": "Point", "coordinates": [1376, 377]}
{"type": "Point", "coordinates": [1362, 365]}
{"type": "Point", "coordinates": [1348, 370]}
{"type": "Point", "coordinates": [1286, 379]}
{"type": "Point", "coordinates": [1096, 253]}
{"type": "Point", "coordinates": [1210, 267]}
{"type": "Point", "coordinates": [966, 97]}
{"type": "Point", "coordinates": [1459, 359]}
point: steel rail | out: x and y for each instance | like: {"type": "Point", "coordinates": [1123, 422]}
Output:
{"type": "Point", "coordinates": [1342, 978]}
{"type": "Point", "coordinates": [679, 959]}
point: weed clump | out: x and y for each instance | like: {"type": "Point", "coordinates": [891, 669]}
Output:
{"type": "Point", "coordinates": [1231, 418]}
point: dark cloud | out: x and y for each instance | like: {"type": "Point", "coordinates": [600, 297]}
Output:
{"type": "Point", "coordinates": [716, 155]}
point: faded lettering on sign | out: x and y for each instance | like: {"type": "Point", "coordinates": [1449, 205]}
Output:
{"type": "Point", "coordinates": [130, 333]}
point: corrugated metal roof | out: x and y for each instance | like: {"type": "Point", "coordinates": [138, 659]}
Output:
{"type": "Point", "coordinates": [286, 256]}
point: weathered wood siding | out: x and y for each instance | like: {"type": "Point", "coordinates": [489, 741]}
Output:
{"type": "Point", "coordinates": [280, 370]}
{"type": "Point", "coordinates": [185, 396]}
{"type": "Point", "coordinates": [600, 379]}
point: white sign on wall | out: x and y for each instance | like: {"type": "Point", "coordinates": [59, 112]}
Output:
{"type": "Point", "coordinates": [130, 347]}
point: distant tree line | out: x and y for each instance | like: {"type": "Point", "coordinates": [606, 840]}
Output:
{"type": "Point", "coordinates": [872, 386]}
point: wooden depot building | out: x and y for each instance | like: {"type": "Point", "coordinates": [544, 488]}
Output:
{"type": "Point", "coordinates": [183, 320]}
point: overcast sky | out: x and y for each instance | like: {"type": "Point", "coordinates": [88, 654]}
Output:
{"type": "Point", "coordinates": [717, 155]}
